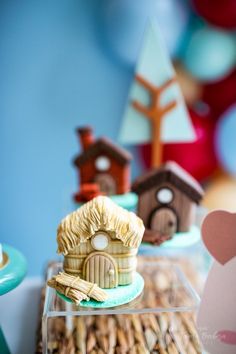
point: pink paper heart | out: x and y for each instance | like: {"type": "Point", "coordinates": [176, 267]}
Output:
{"type": "Point", "coordinates": [219, 235]}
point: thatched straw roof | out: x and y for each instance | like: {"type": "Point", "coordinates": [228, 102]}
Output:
{"type": "Point", "coordinates": [100, 213]}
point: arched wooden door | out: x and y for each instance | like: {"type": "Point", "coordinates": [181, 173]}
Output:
{"type": "Point", "coordinates": [164, 220]}
{"type": "Point", "coordinates": [106, 183]}
{"type": "Point", "coordinates": [100, 268]}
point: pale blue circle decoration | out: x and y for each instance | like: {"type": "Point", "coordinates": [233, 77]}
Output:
{"type": "Point", "coordinates": [210, 54]}
{"type": "Point", "coordinates": [172, 17]}
{"type": "Point", "coordinates": [121, 295]}
{"type": "Point", "coordinates": [124, 21]}
{"type": "Point", "coordinates": [225, 140]}
{"type": "Point", "coordinates": [123, 24]}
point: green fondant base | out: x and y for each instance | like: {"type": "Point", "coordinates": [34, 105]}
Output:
{"type": "Point", "coordinates": [13, 271]}
{"type": "Point", "coordinates": [121, 295]}
{"type": "Point", "coordinates": [181, 240]}
{"type": "Point", "coordinates": [127, 201]}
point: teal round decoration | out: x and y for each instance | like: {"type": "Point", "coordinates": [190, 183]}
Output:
{"type": "Point", "coordinates": [121, 295]}
{"type": "Point", "coordinates": [210, 54]}
{"type": "Point", "coordinates": [184, 239]}
{"type": "Point", "coordinates": [127, 201]}
{"type": "Point", "coordinates": [14, 271]}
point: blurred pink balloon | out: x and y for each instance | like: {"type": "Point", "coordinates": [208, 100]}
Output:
{"type": "Point", "coordinates": [198, 157]}
{"type": "Point", "coordinates": [221, 94]}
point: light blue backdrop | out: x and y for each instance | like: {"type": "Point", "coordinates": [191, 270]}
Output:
{"type": "Point", "coordinates": [55, 74]}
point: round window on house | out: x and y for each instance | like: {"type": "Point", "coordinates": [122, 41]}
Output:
{"type": "Point", "coordinates": [100, 241]}
{"type": "Point", "coordinates": [102, 163]}
{"type": "Point", "coordinates": [165, 195]}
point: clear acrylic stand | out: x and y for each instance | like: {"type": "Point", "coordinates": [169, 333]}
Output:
{"type": "Point", "coordinates": [166, 291]}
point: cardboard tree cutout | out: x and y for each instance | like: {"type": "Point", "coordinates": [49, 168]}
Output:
{"type": "Point", "coordinates": [155, 111]}
{"type": "Point", "coordinates": [216, 319]}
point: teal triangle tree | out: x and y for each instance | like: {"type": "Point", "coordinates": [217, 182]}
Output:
{"type": "Point", "coordinates": [155, 111]}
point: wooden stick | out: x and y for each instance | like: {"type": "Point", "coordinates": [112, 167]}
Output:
{"type": "Point", "coordinates": [157, 146]}
{"type": "Point", "coordinates": [129, 332]}
{"type": "Point", "coordinates": [141, 348]}
{"type": "Point", "coordinates": [121, 339]}
{"type": "Point", "coordinates": [111, 323]}
{"type": "Point", "coordinates": [167, 84]}
{"type": "Point", "coordinates": [171, 347]}
{"type": "Point", "coordinates": [151, 338]}
{"type": "Point", "coordinates": [91, 341]}
{"type": "Point", "coordinates": [145, 83]}
{"type": "Point", "coordinates": [193, 335]}
{"type": "Point", "coordinates": [102, 341]}
{"type": "Point", "coordinates": [81, 335]}
{"type": "Point", "coordinates": [138, 331]}
{"type": "Point", "coordinates": [155, 113]}
{"type": "Point", "coordinates": [176, 337]}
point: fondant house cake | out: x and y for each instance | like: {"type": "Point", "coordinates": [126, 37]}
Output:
{"type": "Point", "coordinates": [104, 163]}
{"type": "Point", "coordinates": [167, 200]}
{"type": "Point", "coordinates": [100, 241]}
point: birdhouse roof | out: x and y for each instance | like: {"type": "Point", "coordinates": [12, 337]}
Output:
{"type": "Point", "coordinates": [172, 173]}
{"type": "Point", "coordinates": [101, 213]}
{"type": "Point", "coordinates": [101, 146]}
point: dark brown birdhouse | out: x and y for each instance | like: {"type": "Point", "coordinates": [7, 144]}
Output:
{"type": "Point", "coordinates": [104, 163]}
{"type": "Point", "coordinates": [167, 201]}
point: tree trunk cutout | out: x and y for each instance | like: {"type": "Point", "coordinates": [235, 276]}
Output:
{"type": "Point", "coordinates": [155, 113]}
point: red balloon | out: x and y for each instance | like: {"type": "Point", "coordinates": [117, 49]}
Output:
{"type": "Point", "coordinates": [198, 158]}
{"type": "Point", "coordinates": [221, 94]}
{"type": "Point", "coordinates": [220, 13]}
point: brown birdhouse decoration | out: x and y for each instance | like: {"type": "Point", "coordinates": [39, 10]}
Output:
{"type": "Point", "coordinates": [168, 196]}
{"type": "Point", "coordinates": [103, 163]}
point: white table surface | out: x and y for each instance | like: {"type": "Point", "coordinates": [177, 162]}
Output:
{"type": "Point", "coordinates": [19, 315]}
